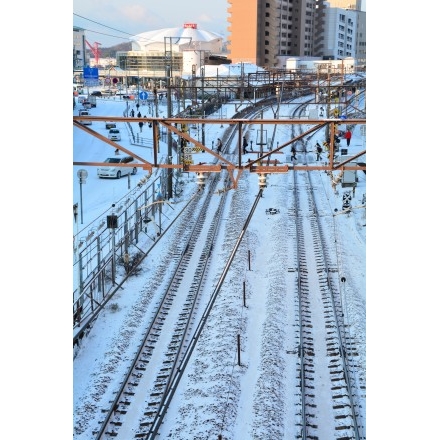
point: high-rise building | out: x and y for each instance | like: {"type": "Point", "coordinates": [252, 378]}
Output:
{"type": "Point", "coordinates": [79, 49]}
{"type": "Point", "coordinates": [268, 32]}
{"type": "Point", "coordinates": [265, 32]}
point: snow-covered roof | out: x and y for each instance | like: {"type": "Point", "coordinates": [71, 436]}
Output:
{"type": "Point", "coordinates": [184, 35]}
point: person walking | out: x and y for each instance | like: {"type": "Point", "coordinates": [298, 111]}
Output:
{"type": "Point", "coordinates": [347, 137]}
{"type": "Point", "coordinates": [132, 113]}
{"type": "Point", "coordinates": [318, 151]}
{"type": "Point", "coordinates": [139, 115]}
{"type": "Point", "coordinates": [219, 145]}
{"type": "Point", "coordinates": [245, 144]}
{"type": "Point", "coordinates": [141, 124]}
{"type": "Point", "coordinates": [293, 151]}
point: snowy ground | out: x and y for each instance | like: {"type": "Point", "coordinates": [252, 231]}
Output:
{"type": "Point", "coordinates": [201, 394]}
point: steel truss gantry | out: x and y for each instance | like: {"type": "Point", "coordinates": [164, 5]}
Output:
{"type": "Point", "coordinates": [262, 164]}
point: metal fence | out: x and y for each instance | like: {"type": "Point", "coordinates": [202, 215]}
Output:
{"type": "Point", "coordinates": [138, 216]}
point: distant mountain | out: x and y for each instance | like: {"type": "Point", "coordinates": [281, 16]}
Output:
{"type": "Point", "coordinates": [110, 52]}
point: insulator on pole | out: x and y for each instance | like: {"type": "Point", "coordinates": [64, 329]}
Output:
{"type": "Point", "coordinates": [262, 180]}
{"type": "Point", "coordinates": [201, 178]}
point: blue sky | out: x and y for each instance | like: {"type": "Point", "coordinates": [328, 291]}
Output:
{"type": "Point", "coordinates": [112, 22]}
{"type": "Point", "coordinates": [131, 17]}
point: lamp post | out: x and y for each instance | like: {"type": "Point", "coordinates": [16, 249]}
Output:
{"type": "Point", "coordinates": [82, 174]}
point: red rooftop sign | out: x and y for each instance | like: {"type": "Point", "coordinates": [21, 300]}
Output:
{"type": "Point", "coordinates": [190, 25]}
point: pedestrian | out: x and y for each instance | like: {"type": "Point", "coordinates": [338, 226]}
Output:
{"type": "Point", "coordinates": [318, 151]}
{"type": "Point", "coordinates": [347, 137]}
{"type": "Point", "coordinates": [219, 145]}
{"type": "Point", "coordinates": [293, 151]}
{"type": "Point", "coordinates": [141, 124]}
{"type": "Point", "coordinates": [139, 115]}
{"type": "Point", "coordinates": [132, 113]}
{"type": "Point", "coordinates": [245, 144]}
{"type": "Point", "coordinates": [117, 151]}
{"type": "Point", "coordinates": [137, 106]}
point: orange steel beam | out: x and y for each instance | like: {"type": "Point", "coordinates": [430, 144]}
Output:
{"type": "Point", "coordinates": [257, 165]}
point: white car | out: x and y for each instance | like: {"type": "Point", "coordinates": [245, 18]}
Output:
{"type": "Point", "coordinates": [107, 92]}
{"type": "Point", "coordinates": [113, 171]}
{"type": "Point", "coordinates": [84, 113]}
{"type": "Point", "coordinates": [114, 134]}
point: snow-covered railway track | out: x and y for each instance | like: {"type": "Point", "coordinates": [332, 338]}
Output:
{"type": "Point", "coordinates": [273, 375]}
{"type": "Point", "coordinates": [326, 386]}
{"type": "Point", "coordinates": [142, 393]}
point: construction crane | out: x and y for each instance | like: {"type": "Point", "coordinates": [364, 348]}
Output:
{"type": "Point", "coordinates": [95, 51]}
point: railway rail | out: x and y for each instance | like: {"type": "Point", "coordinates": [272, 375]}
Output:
{"type": "Point", "coordinates": [172, 333]}
{"type": "Point", "coordinates": [322, 332]}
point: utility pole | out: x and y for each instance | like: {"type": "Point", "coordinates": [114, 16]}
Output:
{"type": "Point", "coordinates": [170, 139]}
{"type": "Point", "coordinates": [203, 102]}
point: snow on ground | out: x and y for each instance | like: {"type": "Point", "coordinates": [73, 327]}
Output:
{"type": "Point", "coordinates": [202, 406]}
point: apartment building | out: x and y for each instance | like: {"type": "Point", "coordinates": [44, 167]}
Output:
{"type": "Point", "coordinates": [268, 32]}
{"type": "Point", "coordinates": [79, 49]}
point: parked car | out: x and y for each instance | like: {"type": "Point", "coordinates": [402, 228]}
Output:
{"type": "Point", "coordinates": [110, 125]}
{"type": "Point", "coordinates": [108, 92]}
{"type": "Point", "coordinates": [83, 112]}
{"type": "Point", "coordinates": [96, 93]}
{"type": "Point", "coordinates": [114, 134]}
{"type": "Point", "coordinates": [112, 170]}
{"type": "Point", "coordinates": [87, 104]}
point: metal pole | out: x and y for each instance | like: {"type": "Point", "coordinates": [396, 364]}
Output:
{"type": "Point", "coordinates": [238, 350]}
{"type": "Point", "coordinates": [327, 134]}
{"type": "Point", "coordinates": [138, 85]}
{"type": "Point", "coordinates": [81, 198]}
{"type": "Point", "coordinates": [203, 102]}
{"type": "Point", "coordinates": [170, 140]}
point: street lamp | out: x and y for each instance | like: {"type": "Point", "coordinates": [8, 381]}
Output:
{"type": "Point", "coordinates": [82, 174]}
